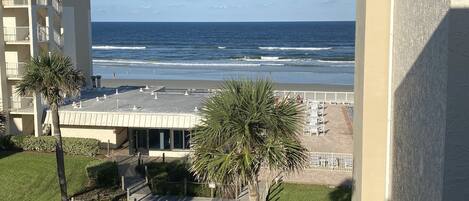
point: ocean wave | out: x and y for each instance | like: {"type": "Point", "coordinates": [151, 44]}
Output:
{"type": "Point", "coordinates": [107, 47]}
{"type": "Point", "coordinates": [264, 59]}
{"type": "Point", "coordinates": [336, 62]}
{"type": "Point", "coordinates": [296, 48]}
{"type": "Point", "coordinates": [155, 63]}
{"type": "Point", "coordinates": [221, 47]}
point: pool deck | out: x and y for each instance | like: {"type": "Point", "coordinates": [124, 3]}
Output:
{"type": "Point", "coordinates": [339, 136]}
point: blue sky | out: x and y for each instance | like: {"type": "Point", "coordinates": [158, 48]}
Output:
{"type": "Point", "coordinates": [222, 10]}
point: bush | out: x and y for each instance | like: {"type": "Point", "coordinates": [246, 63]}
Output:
{"type": "Point", "coordinates": [102, 173]}
{"type": "Point", "coordinates": [5, 143]}
{"type": "Point", "coordinates": [72, 146]}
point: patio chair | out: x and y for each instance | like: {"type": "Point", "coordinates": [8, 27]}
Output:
{"type": "Point", "coordinates": [348, 163]}
{"type": "Point", "coordinates": [315, 161]}
{"type": "Point", "coordinates": [332, 162]}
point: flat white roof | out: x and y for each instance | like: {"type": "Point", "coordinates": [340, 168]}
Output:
{"type": "Point", "coordinates": [145, 107]}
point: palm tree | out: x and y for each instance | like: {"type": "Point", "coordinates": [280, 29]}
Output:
{"type": "Point", "coordinates": [54, 77]}
{"type": "Point", "coordinates": [244, 127]}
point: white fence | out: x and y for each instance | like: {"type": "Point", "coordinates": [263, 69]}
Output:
{"type": "Point", "coordinates": [320, 96]}
{"type": "Point", "coordinates": [331, 161]}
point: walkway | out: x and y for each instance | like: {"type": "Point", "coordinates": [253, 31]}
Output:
{"type": "Point", "coordinates": [133, 180]}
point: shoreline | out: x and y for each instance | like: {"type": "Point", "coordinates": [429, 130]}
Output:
{"type": "Point", "coordinates": [207, 84]}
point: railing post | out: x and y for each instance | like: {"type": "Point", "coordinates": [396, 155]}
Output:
{"type": "Point", "coordinates": [123, 183]}
{"type": "Point", "coordinates": [128, 193]}
{"type": "Point", "coordinates": [108, 148]}
{"type": "Point", "coordinates": [138, 158]}
{"type": "Point", "coordinates": [146, 174]}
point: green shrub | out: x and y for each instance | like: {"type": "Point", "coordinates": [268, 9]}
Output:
{"type": "Point", "coordinates": [102, 173]}
{"type": "Point", "coordinates": [72, 146]}
{"type": "Point", "coordinates": [5, 142]}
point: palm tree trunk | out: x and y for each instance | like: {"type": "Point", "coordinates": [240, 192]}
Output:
{"type": "Point", "coordinates": [59, 153]}
{"type": "Point", "coordinates": [253, 187]}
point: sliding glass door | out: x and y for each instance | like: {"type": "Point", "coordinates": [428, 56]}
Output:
{"type": "Point", "coordinates": [160, 139]}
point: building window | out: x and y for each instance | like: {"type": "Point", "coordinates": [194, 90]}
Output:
{"type": "Point", "coordinates": [160, 139]}
{"type": "Point", "coordinates": [154, 139]}
{"type": "Point", "coordinates": [181, 139]}
{"type": "Point", "coordinates": [178, 139]}
{"type": "Point", "coordinates": [187, 139]}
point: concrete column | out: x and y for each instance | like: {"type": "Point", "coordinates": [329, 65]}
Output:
{"type": "Point", "coordinates": [50, 28]}
{"type": "Point", "coordinates": [4, 98]}
{"type": "Point", "coordinates": [371, 109]}
{"type": "Point", "coordinates": [38, 107]}
{"type": "Point", "coordinates": [32, 10]}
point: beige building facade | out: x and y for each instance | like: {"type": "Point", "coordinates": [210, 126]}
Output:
{"type": "Point", "coordinates": [411, 114]}
{"type": "Point", "coordinates": [31, 28]}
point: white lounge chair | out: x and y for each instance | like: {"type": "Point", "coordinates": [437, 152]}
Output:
{"type": "Point", "coordinates": [332, 162]}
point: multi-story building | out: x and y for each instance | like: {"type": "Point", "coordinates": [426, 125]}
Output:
{"type": "Point", "coordinates": [411, 110]}
{"type": "Point", "coordinates": [31, 28]}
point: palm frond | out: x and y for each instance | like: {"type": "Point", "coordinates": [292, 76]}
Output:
{"type": "Point", "coordinates": [243, 128]}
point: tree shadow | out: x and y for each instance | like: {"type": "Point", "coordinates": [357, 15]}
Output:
{"type": "Point", "coordinates": [343, 192]}
{"type": "Point", "coordinates": [274, 191]}
{"type": "Point", "coordinates": [4, 154]}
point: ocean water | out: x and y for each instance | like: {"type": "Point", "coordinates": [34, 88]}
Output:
{"type": "Point", "coordinates": [286, 52]}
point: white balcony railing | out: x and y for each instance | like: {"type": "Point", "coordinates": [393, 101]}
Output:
{"type": "Point", "coordinates": [16, 34]}
{"type": "Point", "coordinates": [320, 96]}
{"type": "Point", "coordinates": [21, 103]}
{"type": "Point", "coordinates": [15, 70]}
{"type": "Point", "coordinates": [42, 31]}
{"type": "Point", "coordinates": [330, 161]}
{"type": "Point", "coordinates": [57, 5]}
{"type": "Point", "coordinates": [58, 39]}
{"type": "Point", "coordinates": [15, 2]}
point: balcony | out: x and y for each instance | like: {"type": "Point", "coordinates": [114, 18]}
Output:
{"type": "Point", "coordinates": [21, 105]}
{"type": "Point", "coordinates": [15, 70]}
{"type": "Point", "coordinates": [15, 3]}
{"type": "Point", "coordinates": [42, 31]}
{"type": "Point", "coordinates": [57, 5]}
{"type": "Point", "coordinates": [16, 34]}
{"type": "Point", "coordinates": [59, 39]}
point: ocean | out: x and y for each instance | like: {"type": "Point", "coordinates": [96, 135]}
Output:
{"type": "Point", "coordinates": [286, 52]}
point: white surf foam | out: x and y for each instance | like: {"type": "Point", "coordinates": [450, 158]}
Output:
{"type": "Point", "coordinates": [337, 62]}
{"type": "Point", "coordinates": [296, 48]}
{"type": "Point", "coordinates": [107, 47]}
{"type": "Point", "coordinates": [264, 59]}
{"type": "Point", "coordinates": [221, 47]}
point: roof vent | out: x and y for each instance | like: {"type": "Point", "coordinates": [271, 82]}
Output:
{"type": "Point", "coordinates": [105, 97]}
{"type": "Point", "coordinates": [186, 93]}
{"type": "Point", "coordinates": [79, 106]}
{"type": "Point", "coordinates": [152, 93]}
{"type": "Point", "coordinates": [134, 108]}
{"type": "Point", "coordinates": [156, 96]}
{"type": "Point", "coordinates": [147, 87]}
{"type": "Point", "coordinates": [97, 98]}
{"type": "Point", "coordinates": [141, 89]}
{"type": "Point", "coordinates": [74, 104]}
{"type": "Point", "coordinates": [117, 91]}
{"type": "Point", "coordinates": [196, 109]}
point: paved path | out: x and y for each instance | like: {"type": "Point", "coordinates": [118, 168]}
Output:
{"type": "Point", "coordinates": [140, 190]}
{"type": "Point", "coordinates": [133, 180]}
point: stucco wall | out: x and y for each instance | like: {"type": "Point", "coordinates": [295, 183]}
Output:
{"type": "Point", "coordinates": [77, 35]}
{"type": "Point", "coordinates": [371, 99]}
{"type": "Point", "coordinates": [456, 170]}
{"type": "Point", "coordinates": [419, 84]}
{"type": "Point", "coordinates": [101, 134]}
